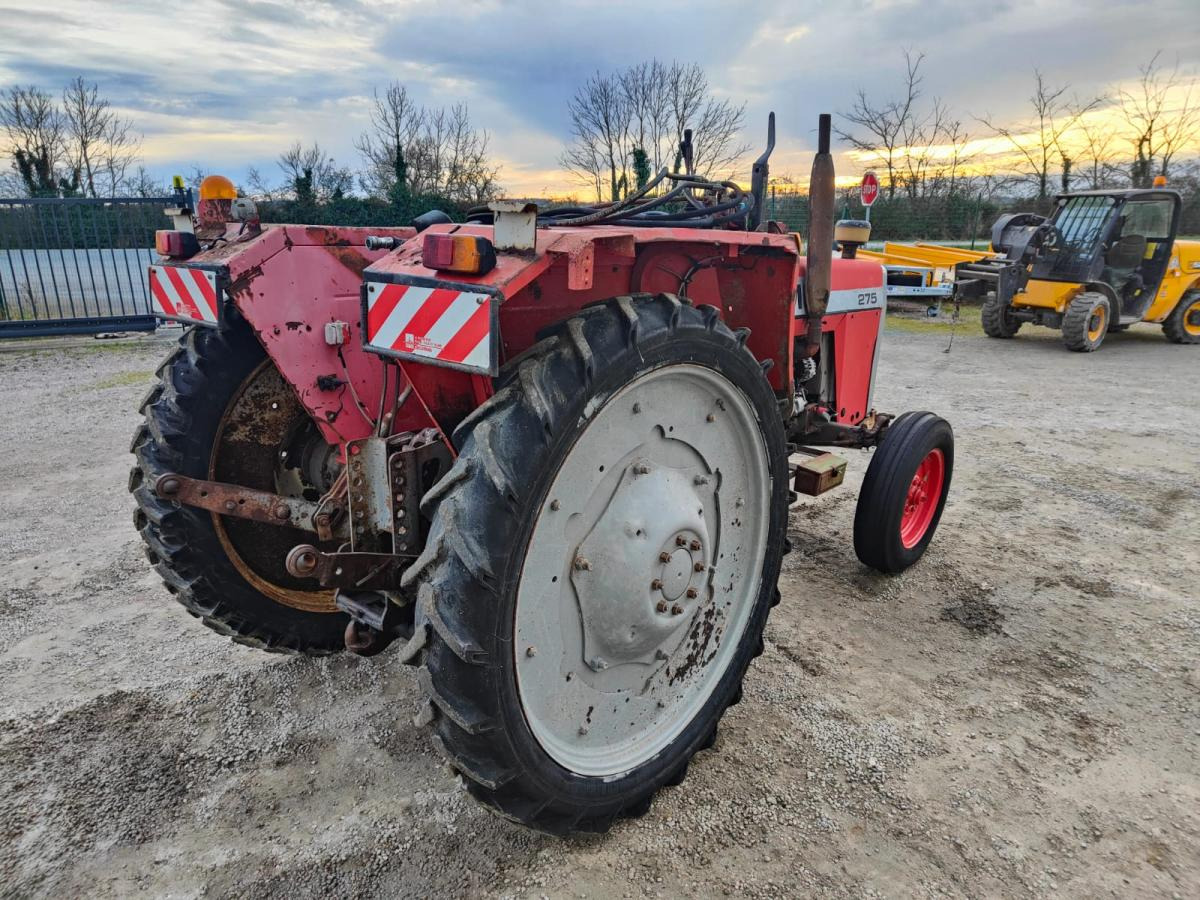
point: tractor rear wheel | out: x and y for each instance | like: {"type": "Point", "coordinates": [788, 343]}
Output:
{"type": "Point", "coordinates": [1086, 322]}
{"type": "Point", "coordinates": [221, 411]}
{"type": "Point", "coordinates": [1183, 325]}
{"type": "Point", "coordinates": [904, 492]}
{"type": "Point", "coordinates": [601, 562]}
{"type": "Point", "coordinates": [997, 318]}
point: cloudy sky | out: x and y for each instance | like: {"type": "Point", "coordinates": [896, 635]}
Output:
{"type": "Point", "coordinates": [228, 84]}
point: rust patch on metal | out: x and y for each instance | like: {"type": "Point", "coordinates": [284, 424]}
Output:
{"type": "Point", "coordinates": [329, 237]}
{"type": "Point", "coordinates": [244, 283]}
{"type": "Point", "coordinates": [256, 427]}
{"type": "Point", "coordinates": [698, 640]}
{"type": "Point", "coordinates": [235, 500]}
{"type": "Point", "coordinates": [349, 256]}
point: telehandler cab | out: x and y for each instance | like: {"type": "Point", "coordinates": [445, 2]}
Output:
{"type": "Point", "coordinates": [1102, 261]}
{"type": "Point", "coordinates": [550, 451]}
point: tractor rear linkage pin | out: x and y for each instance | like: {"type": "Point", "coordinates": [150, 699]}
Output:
{"type": "Point", "coordinates": [241, 502]}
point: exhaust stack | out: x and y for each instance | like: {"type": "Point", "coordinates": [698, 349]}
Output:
{"type": "Point", "coordinates": [820, 237]}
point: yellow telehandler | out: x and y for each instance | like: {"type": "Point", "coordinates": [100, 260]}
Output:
{"type": "Point", "coordinates": [1100, 262]}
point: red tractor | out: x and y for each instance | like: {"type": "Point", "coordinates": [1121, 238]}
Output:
{"type": "Point", "coordinates": [550, 451]}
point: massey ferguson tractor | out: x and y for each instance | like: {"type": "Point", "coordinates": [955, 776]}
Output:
{"type": "Point", "coordinates": [549, 452]}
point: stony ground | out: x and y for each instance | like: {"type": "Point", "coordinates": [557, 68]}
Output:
{"type": "Point", "coordinates": [1017, 716]}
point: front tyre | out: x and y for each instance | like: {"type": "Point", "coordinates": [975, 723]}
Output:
{"type": "Point", "coordinates": [601, 563]}
{"type": "Point", "coordinates": [1183, 325]}
{"type": "Point", "coordinates": [997, 318]}
{"type": "Point", "coordinates": [1086, 322]}
{"type": "Point", "coordinates": [904, 492]}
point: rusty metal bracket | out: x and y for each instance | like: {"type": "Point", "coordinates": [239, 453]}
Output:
{"type": "Point", "coordinates": [235, 500]}
{"type": "Point", "coordinates": [330, 515]}
{"type": "Point", "coordinates": [386, 479]}
{"type": "Point", "coordinates": [818, 430]}
{"type": "Point", "coordinates": [419, 459]}
{"type": "Point", "coordinates": [347, 569]}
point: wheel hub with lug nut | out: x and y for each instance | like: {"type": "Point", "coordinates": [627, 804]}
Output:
{"type": "Point", "coordinates": [642, 569]}
{"type": "Point", "coordinates": [642, 578]}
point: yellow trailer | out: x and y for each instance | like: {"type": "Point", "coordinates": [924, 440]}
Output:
{"type": "Point", "coordinates": [921, 270]}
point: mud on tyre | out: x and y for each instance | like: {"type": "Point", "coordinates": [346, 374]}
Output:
{"type": "Point", "coordinates": [229, 572]}
{"type": "Point", "coordinates": [586, 462]}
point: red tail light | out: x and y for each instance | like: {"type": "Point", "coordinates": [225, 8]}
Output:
{"type": "Point", "coordinates": [176, 244]}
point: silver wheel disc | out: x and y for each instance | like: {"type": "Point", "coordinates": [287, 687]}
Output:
{"type": "Point", "coordinates": [642, 570]}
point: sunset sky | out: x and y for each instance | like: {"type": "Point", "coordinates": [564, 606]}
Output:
{"type": "Point", "coordinates": [228, 84]}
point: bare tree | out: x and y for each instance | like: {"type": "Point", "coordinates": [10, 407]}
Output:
{"type": "Point", "coordinates": [395, 123]}
{"type": "Point", "coordinates": [880, 131]}
{"type": "Point", "coordinates": [649, 97]}
{"type": "Point", "coordinates": [641, 113]}
{"type": "Point", "coordinates": [1162, 113]}
{"type": "Point", "coordinates": [85, 117]}
{"type": "Point", "coordinates": [411, 149]}
{"type": "Point", "coordinates": [33, 130]}
{"type": "Point", "coordinates": [101, 144]}
{"type": "Point", "coordinates": [142, 184]}
{"type": "Point", "coordinates": [1037, 142]}
{"type": "Point", "coordinates": [311, 175]}
{"type": "Point", "coordinates": [600, 122]}
{"type": "Point", "coordinates": [119, 150]}
{"type": "Point", "coordinates": [1097, 154]}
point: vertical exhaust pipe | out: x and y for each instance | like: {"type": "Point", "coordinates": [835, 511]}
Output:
{"type": "Point", "coordinates": [820, 237]}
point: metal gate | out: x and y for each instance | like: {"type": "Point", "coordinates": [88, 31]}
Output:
{"type": "Point", "coordinates": [77, 265]}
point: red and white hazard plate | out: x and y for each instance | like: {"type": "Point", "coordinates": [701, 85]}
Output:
{"type": "Point", "coordinates": [189, 295]}
{"type": "Point", "coordinates": [442, 325]}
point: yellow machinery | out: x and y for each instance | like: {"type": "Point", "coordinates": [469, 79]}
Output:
{"type": "Point", "coordinates": [1102, 261]}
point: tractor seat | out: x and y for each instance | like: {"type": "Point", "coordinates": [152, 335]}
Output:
{"type": "Point", "coordinates": [1126, 254]}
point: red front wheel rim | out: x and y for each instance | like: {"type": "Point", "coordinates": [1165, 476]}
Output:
{"type": "Point", "coordinates": [924, 494]}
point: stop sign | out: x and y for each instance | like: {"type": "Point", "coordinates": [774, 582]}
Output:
{"type": "Point", "coordinates": [869, 189]}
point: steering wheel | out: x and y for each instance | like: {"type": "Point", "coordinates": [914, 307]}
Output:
{"type": "Point", "coordinates": [1051, 237]}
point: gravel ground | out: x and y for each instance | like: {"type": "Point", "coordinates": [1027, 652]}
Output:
{"type": "Point", "coordinates": [1017, 716]}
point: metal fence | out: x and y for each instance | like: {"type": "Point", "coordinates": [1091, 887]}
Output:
{"type": "Point", "coordinates": [77, 265]}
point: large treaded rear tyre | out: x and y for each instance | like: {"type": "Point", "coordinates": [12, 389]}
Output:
{"type": "Point", "coordinates": [485, 512]}
{"type": "Point", "coordinates": [1183, 325]}
{"type": "Point", "coordinates": [1086, 322]}
{"type": "Point", "coordinates": [904, 492]}
{"type": "Point", "coordinates": [183, 413]}
{"type": "Point", "coordinates": [997, 319]}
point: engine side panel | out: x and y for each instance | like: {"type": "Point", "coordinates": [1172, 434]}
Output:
{"type": "Point", "coordinates": [853, 324]}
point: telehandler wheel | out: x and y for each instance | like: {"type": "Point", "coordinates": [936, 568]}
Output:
{"type": "Point", "coordinates": [601, 561]}
{"type": "Point", "coordinates": [1086, 322]}
{"type": "Point", "coordinates": [997, 318]}
{"type": "Point", "coordinates": [221, 411]}
{"type": "Point", "coordinates": [904, 492]}
{"type": "Point", "coordinates": [1183, 325]}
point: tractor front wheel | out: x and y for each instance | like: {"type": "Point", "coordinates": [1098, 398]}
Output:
{"type": "Point", "coordinates": [1183, 325]}
{"type": "Point", "coordinates": [601, 562]}
{"type": "Point", "coordinates": [904, 492]}
{"type": "Point", "coordinates": [221, 411]}
{"type": "Point", "coordinates": [1086, 322]}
